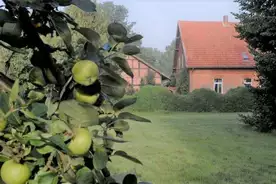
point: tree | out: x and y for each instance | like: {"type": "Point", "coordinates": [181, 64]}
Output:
{"type": "Point", "coordinates": [150, 78]}
{"type": "Point", "coordinates": [107, 12]}
{"type": "Point", "coordinates": [61, 126]}
{"type": "Point", "coordinates": [161, 60]}
{"type": "Point", "coordinates": [257, 28]}
{"type": "Point", "coordinates": [117, 13]}
{"type": "Point", "coordinates": [143, 81]}
{"type": "Point", "coordinates": [182, 82]}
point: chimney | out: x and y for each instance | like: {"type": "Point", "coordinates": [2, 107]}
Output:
{"type": "Point", "coordinates": [225, 20]}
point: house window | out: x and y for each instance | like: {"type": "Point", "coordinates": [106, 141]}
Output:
{"type": "Point", "coordinates": [247, 82]}
{"type": "Point", "coordinates": [245, 56]}
{"type": "Point", "coordinates": [218, 85]}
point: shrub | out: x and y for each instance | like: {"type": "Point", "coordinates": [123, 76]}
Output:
{"type": "Point", "coordinates": [237, 100]}
{"type": "Point", "coordinates": [204, 100]}
{"type": "Point", "coordinates": [156, 98]}
{"type": "Point", "coordinates": [152, 98]}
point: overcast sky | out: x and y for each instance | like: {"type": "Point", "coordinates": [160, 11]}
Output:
{"type": "Point", "coordinates": [157, 19]}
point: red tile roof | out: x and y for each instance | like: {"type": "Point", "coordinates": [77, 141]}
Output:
{"type": "Point", "coordinates": [211, 44]}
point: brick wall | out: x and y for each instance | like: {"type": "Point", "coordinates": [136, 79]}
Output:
{"type": "Point", "coordinates": [230, 78]}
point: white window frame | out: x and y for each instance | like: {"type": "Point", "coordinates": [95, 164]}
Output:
{"type": "Point", "coordinates": [245, 57]}
{"type": "Point", "coordinates": [247, 83]}
{"type": "Point", "coordinates": [218, 83]}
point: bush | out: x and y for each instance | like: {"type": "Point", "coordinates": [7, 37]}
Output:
{"type": "Point", "coordinates": [152, 98]}
{"type": "Point", "coordinates": [156, 98]}
{"type": "Point", "coordinates": [237, 100]}
{"type": "Point", "coordinates": [204, 100]}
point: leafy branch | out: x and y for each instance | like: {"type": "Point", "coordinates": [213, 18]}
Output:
{"type": "Point", "coordinates": [52, 128]}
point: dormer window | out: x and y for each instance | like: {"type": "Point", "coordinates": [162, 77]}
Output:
{"type": "Point", "coordinates": [245, 56]}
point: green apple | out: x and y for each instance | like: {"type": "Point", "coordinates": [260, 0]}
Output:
{"type": "Point", "coordinates": [81, 141]}
{"type": "Point", "coordinates": [15, 173]}
{"type": "Point", "coordinates": [85, 72]}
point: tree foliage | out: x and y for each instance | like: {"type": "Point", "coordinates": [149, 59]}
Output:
{"type": "Point", "coordinates": [182, 82]}
{"type": "Point", "coordinates": [150, 78]}
{"type": "Point", "coordinates": [60, 116]}
{"type": "Point", "coordinates": [257, 28]}
{"type": "Point", "coordinates": [161, 60]}
{"type": "Point", "coordinates": [106, 13]}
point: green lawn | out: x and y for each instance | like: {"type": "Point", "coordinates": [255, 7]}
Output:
{"type": "Point", "coordinates": [198, 148]}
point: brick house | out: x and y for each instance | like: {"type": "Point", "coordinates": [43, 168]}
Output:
{"type": "Point", "coordinates": [212, 56]}
{"type": "Point", "coordinates": [141, 69]}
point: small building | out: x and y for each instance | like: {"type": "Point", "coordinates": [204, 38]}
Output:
{"type": "Point", "coordinates": [212, 56]}
{"type": "Point", "coordinates": [141, 69]}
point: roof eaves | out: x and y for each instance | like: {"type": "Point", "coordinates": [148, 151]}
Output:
{"type": "Point", "coordinates": [150, 66]}
{"type": "Point", "coordinates": [183, 45]}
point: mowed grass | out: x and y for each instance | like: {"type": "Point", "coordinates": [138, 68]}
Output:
{"type": "Point", "coordinates": [198, 148]}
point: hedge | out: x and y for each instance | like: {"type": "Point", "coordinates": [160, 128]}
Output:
{"type": "Point", "coordinates": [237, 100]}
{"type": "Point", "coordinates": [157, 98]}
{"type": "Point", "coordinates": [152, 98]}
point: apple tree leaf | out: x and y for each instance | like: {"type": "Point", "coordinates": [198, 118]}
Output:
{"type": "Point", "coordinates": [92, 36]}
{"type": "Point", "coordinates": [51, 106]}
{"type": "Point", "coordinates": [124, 103]}
{"type": "Point", "coordinates": [134, 38]}
{"type": "Point", "coordinates": [117, 31]}
{"type": "Point", "coordinates": [58, 141]}
{"type": "Point", "coordinates": [14, 118]}
{"type": "Point", "coordinates": [111, 87]}
{"type": "Point", "coordinates": [39, 109]}
{"type": "Point", "coordinates": [45, 177]}
{"type": "Point", "coordinates": [84, 176]}
{"type": "Point", "coordinates": [14, 92]}
{"type": "Point", "coordinates": [131, 50]}
{"type": "Point", "coordinates": [121, 125]}
{"type": "Point", "coordinates": [35, 95]}
{"type": "Point", "coordinates": [63, 30]}
{"type": "Point", "coordinates": [45, 149]}
{"type": "Point", "coordinates": [126, 156]}
{"type": "Point", "coordinates": [130, 116]}
{"type": "Point", "coordinates": [80, 115]}
{"type": "Point", "coordinates": [85, 5]}
{"type": "Point", "coordinates": [115, 76]}
{"type": "Point", "coordinates": [123, 64]}
{"type": "Point", "coordinates": [100, 158]}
